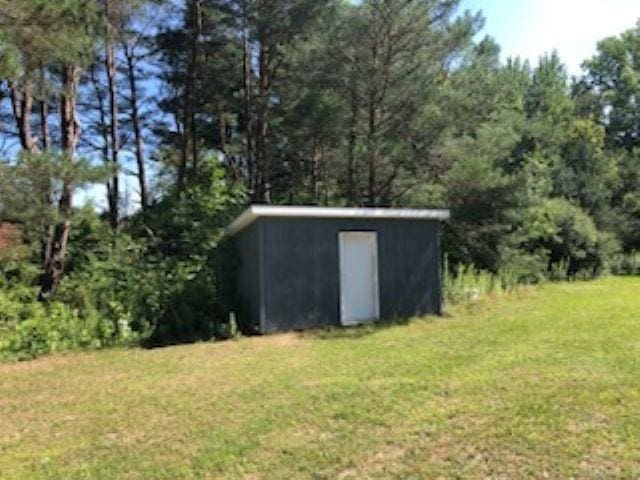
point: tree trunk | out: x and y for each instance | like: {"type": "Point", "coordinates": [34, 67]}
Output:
{"type": "Point", "coordinates": [372, 133]}
{"type": "Point", "coordinates": [114, 193]}
{"type": "Point", "coordinates": [315, 171]}
{"type": "Point", "coordinates": [137, 129]}
{"type": "Point", "coordinates": [28, 142]}
{"type": "Point", "coordinates": [222, 129]}
{"type": "Point", "coordinates": [104, 127]}
{"type": "Point", "coordinates": [45, 242]}
{"type": "Point", "coordinates": [195, 44]}
{"type": "Point", "coordinates": [246, 86]}
{"type": "Point", "coordinates": [372, 154]}
{"type": "Point", "coordinates": [297, 186]}
{"type": "Point", "coordinates": [44, 126]}
{"type": "Point", "coordinates": [351, 167]}
{"type": "Point", "coordinates": [70, 132]}
{"type": "Point", "coordinates": [22, 105]}
{"type": "Point", "coordinates": [44, 113]}
{"type": "Point", "coordinates": [189, 144]}
{"type": "Point", "coordinates": [263, 192]}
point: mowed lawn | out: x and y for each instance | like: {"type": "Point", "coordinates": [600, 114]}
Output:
{"type": "Point", "coordinates": [540, 383]}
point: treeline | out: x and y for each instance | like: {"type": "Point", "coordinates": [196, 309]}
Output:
{"type": "Point", "coordinates": [187, 110]}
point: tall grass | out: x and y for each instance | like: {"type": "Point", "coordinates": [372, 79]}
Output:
{"type": "Point", "coordinates": [465, 283]}
{"type": "Point", "coordinates": [626, 264]}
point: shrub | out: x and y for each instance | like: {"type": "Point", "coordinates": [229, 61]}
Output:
{"type": "Point", "coordinates": [29, 329]}
{"type": "Point", "coordinates": [159, 279]}
{"type": "Point", "coordinates": [568, 237]}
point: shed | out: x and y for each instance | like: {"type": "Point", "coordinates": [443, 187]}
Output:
{"type": "Point", "coordinates": [305, 267]}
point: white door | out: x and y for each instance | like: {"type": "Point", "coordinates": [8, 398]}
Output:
{"type": "Point", "coordinates": [358, 277]}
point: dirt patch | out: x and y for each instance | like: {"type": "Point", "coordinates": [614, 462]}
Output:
{"type": "Point", "coordinates": [383, 460]}
{"type": "Point", "coordinates": [42, 364]}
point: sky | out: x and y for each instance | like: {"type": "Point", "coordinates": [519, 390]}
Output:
{"type": "Point", "coordinates": [529, 28]}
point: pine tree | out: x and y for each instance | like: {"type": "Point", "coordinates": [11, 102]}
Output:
{"type": "Point", "coordinates": [58, 36]}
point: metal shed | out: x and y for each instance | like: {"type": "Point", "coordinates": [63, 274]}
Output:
{"type": "Point", "coordinates": [305, 267]}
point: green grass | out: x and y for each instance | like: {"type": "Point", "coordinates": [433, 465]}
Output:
{"type": "Point", "coordinates": [544, 382]}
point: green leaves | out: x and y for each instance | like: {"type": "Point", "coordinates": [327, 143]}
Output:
{"type": "Point", "coordinates": [569, 237]}
{"type": "Point", "coordinates": [613, 77]}
{"type": "Point", "coordinates": [30, 189]}
{"type": "Point", "coordinates": [49, 32]}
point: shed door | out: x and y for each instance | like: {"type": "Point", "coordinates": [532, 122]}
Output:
{"type": "Point", "coordinates": [358, 277]}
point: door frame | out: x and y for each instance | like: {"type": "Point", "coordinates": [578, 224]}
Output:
{"type": "Point", "coordinates": [373, 235]}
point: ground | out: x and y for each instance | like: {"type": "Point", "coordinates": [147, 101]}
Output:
{"type": "Point", "coordinates": [543, 383]}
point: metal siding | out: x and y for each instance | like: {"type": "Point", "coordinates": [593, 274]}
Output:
{"type": "Point", "coordinates": [408, 265]}
{"type": "Point", "coordinates": [249, 275]}
{"type": "Point", "coordinates": [301, 269]}
{"type": "Point", "coordinates": [300, 274]}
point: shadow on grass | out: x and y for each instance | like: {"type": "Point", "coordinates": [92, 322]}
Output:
{"type": "Point", "coordinates": [153, 344]}
{"type": "Point", "coordinates": [357, 331]}
{"type": "Point", "coordinates": [333, 332]}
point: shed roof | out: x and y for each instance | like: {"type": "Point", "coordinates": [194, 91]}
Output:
{"type": "Point", "coordinates": [256, 211]}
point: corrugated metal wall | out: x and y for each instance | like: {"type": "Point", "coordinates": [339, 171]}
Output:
{"type": "Point", "coordinates": [295, 276]}
{"type": "Point", "coordinates": [248, 276]}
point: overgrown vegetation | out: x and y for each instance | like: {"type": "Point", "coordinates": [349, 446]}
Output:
{"type": "Point", "coordinates": [467, 283]}
{"type": "Point", "coordinates": [188, 110]}
{"type": "Point", "coordinates": [154, 284]}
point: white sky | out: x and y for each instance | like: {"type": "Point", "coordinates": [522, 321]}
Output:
{"type": "Point", "coordinates": [529, 28]}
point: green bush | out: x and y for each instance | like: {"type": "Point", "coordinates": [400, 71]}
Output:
{"type": "Point", "coordinates": [160, 279]}
{"type": "Point", "coordinates": [567, 236]}
{"type": "Point", "coordinates": [110, 279]}
{"type": "Point", "coordinates": [185, 262]}
{"type": "Point", "coordinates": [29, 329]}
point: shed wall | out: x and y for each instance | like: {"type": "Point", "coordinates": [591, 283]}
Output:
{"type": "Point", "coordinates": [248, 244]}
{"type": "Point", "coordinates": [301, 269]}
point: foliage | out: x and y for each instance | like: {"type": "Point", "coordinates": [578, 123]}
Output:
{"type": "Point", "coordinates": [483, 198]}
{"type": "Point", "coordinates": [570, 239]}
{"type": "Point", "coordinates": [31, 186]}
{"type": "Point", "coordinates": [585, 174]}
{"type": "Point", "coordinates": [182, 238]}
{"type": "Point", "coordinates": [37, 32]}
{"type": "Point", "coordinates": [29, 328]}
{"type": "Point", "coordinates": [158, 284]}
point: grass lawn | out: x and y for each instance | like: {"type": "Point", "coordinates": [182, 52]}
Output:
{"type": "Point", "coordinates": [541, 383]}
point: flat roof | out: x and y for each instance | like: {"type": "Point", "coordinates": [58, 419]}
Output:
{"type": "Point", "coordinates": [256, 211]}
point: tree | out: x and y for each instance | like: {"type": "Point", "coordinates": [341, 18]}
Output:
{"type": "Point", "coordinates": [608, 94]}
{"type": "Point", "coordinates": [612, 84]}
{"type": "Point", "coordinates": [57, 35]}
{"type": "Point", "coordinates": [202, 101]}
{"type": "Point", "coordinates": [276, 24]}
{"type": "Point", "coordinates": [398, 55]}
{"type": "Point", "coordinates": [112, 16]}
{"type": "Point", "coordinates": [132, 56]}
{"type": "Point", "coordinates": [586, 174]}
{"type": "Point", "coordinates": [486, 201]}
